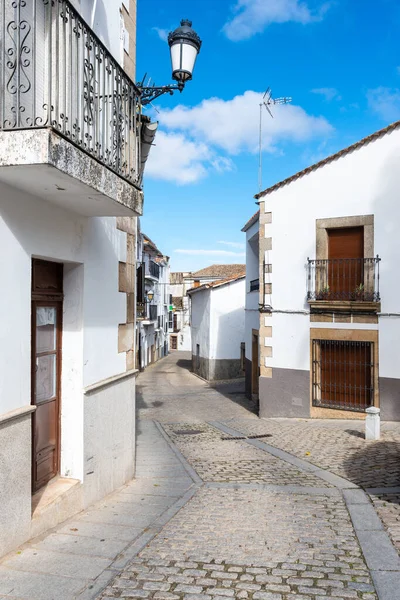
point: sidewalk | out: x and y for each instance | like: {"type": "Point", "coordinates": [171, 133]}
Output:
{"type": "Point", "coordinates": [79, 558]}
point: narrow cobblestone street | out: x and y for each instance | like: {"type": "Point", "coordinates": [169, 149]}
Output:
{"type": "Point", "coordinates": [225, 505]}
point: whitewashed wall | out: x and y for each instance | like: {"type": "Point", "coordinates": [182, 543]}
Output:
{"type": "Point", "coordinates": [252, 298]}
{"type": "Point", "coordinates": [32, 227]}
{"type": "Point", "coordinates": [103, 16]}
{"type": "Point", "coordinates": [227, 320]}
{"type": "Point", "coordinates": [365, 181]}
{"type": "Point", "coordinates": [200, 322]}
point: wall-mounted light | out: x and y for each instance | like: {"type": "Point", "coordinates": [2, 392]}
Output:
{"type": "Point", "coordinates": [150, 295]}
{"type": "Point", "coordinates": [184, 44]}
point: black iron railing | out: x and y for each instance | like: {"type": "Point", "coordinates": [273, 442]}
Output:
{"type": "Point", "coordinates": [153, 269]}
{"type": "Point", "coordinates": [55, 72]}
{"type": "Point", "coordinates": [353, 279]}
{"type": "Point", "coordinates": [343, 374]}
{"type": "Point", "coordinates": [254, 285]}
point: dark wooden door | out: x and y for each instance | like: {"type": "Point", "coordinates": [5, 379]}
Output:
{"type": "Point", "coordinates": [46, 370]}
{"type": "Point", "coordinates": [255, 368]}
{"type": "Point", "coordinates": [346, 265]}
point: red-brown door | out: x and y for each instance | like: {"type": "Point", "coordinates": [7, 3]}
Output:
{"type": "Point", "coordinates": [46, 370]}
{"type": "Point", "coordinates": [346, 377]}
{"type": "Point", "coordinates": [346, 269]}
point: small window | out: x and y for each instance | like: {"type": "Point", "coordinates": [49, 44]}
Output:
{"type": "Point", "coordinates": [342, 374]}
{"type": "Point", "coordinates": [170, 319]}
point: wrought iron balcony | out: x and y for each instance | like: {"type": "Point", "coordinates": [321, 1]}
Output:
{"type": "Point", "coordinates": [56, 73]}
{"type": "Point", "coordinates": [153, 312]}
{"type": "Point", "coordinates": [344, 279]}
{"type": "Point", "coordinates": [153, 269]}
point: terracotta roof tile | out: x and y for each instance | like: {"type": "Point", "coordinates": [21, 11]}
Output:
{"type": "Point", "coordinates": [217, 283]}
{"type": "Point", "coordinates": [252, 220]}
{"type": "Point", "coordinates": [332, 157]}
{"type": "Point", "coordinates": [220, 271]}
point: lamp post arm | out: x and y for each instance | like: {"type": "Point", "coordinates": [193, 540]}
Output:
{"type": "Point", "coordinates": [148, 94]}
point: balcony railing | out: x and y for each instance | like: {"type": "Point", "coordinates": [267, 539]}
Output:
{"type": "Point", "coordinates": [344, 279]}
{"type": "Point", "coordinates": [140, 310]}
{"type": "Point", "coordinates": [55, 72]}
{"type": "Point", "coordinates": [153, 269]}
{"type": "Point", "coordinates": [254, 285]}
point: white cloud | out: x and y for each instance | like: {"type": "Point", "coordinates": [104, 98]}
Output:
{"type": "Point", "coordinates": [176, 158]}
{"type": "Point", "coordinates": [202, 252]}
{"type": "Point", "coordinates": [232, 125]}
{"type": "Point", "coordinates": [195, 141]}
{"type": "Point", "coordinates": [162, 33]}
{"type": "Point", "coordinates": [385, 102]}
{"type": "Point", "coordinates": [232, 244]}
{"type": "Point", "coordinates": [328, 93]}
{"type": "Point", "coordinates": [254, 16]}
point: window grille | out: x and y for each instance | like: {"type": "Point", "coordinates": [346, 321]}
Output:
{"type": "Point", "coordinates": [342, 374]}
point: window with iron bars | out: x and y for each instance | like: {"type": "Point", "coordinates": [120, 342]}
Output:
{"type": "Point", "coordinates": [342, 374]}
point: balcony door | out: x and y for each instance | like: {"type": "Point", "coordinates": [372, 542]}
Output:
{"type": "Point", "coordinates": [345, 267]}
{"type": "Point", "coordinates": [47, 278]}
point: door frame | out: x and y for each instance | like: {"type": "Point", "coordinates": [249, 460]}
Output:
{"type": "Point", "coordinates": [49, 299]}
{"type": "Point", "coordinates": [255, 367]}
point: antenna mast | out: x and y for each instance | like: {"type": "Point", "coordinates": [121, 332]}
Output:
{"type": "Point", "coordinates": [267, 101]}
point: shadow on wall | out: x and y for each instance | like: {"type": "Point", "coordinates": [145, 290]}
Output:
{"type": "Point", "coordinates": [97, 19]}
{"type": "Point", "coordinates": [229, 335]}
{"type": "Point", "coordinates": [374, 466]}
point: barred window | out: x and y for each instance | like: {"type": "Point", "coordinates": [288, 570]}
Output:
{"type": "Point", "coordinates": [342, 374]}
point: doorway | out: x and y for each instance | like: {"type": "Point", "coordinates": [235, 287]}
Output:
{"type": "Point", "coordinates": [47, 304]}
{"type": "Point", "coordinates": [255, 368]}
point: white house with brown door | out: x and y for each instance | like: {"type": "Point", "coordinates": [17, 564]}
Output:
{"type": "Point", "coordinates": [217, 326]}
{"type": "Point", "coordinates": [329, 291]}
{"type": "Point", "coordinates": [70, 192]}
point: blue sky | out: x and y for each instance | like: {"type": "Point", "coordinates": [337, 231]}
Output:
{"type": "Point", "coordinates": [340, 62]}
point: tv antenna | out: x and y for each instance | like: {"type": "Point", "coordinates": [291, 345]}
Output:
{"type": "Point", "coordinates": [267, 101]}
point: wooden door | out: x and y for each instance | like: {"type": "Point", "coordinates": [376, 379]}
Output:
{"type": "Point", "coordinates": [174, 342]}
{"type": "Point", "coordinates": [345, 268]}
{"type": "Point", "coordinates": [46, 370]}
{"type": "Point", "coordinates": [255, 368]}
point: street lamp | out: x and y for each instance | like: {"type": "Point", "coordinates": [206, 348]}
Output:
{"type": "Point", "coordinates": [184, 44]}
{"type": "Point", "coordinates": [150, 295]}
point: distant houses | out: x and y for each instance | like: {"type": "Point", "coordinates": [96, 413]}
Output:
{"type": "Point", "coordinates": [217, 326]}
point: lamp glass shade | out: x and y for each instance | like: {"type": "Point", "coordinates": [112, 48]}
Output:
{"type": "Point", "coordinates": [150, 295]}
{"type": "Point", "coordinates": [184, 46]}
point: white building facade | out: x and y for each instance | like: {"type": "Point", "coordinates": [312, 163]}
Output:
{"type": "Point", "coordinates": [217, 327]}
{"type": "Point", "coordinates": [180, 282]}
{"type": "Point", "coordinates": [70, 183]}
{"type": "Point", "coordinates": [329, 305]}
{"type": "Point", "coordinates": [252, 315]}
{"type": "Point", "coordinates": [153, 302]}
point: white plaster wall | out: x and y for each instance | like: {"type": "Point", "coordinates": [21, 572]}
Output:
{"type": "Point", "coordinates": [200, 322]}
{"type": "Point", "coordinates": [227, 320]}
{"type": "Point", "coordinates": [252, 298]}
{"type": "Point", "coordinates": [366, 181]}
{"type": "Point", "coordinates": [103, 16]}
{"type": "Point", "coordinates": [30, 227]}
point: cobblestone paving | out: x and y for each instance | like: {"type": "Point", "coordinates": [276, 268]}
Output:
{"type": "Point", "coordinates": [339, 447]}
{"type": "Point", "coordinates": [217, 458]}
{"type": "Point", "coordinates": [251, 544]}
{"type": "Point", "coordinates": [388, 508]}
